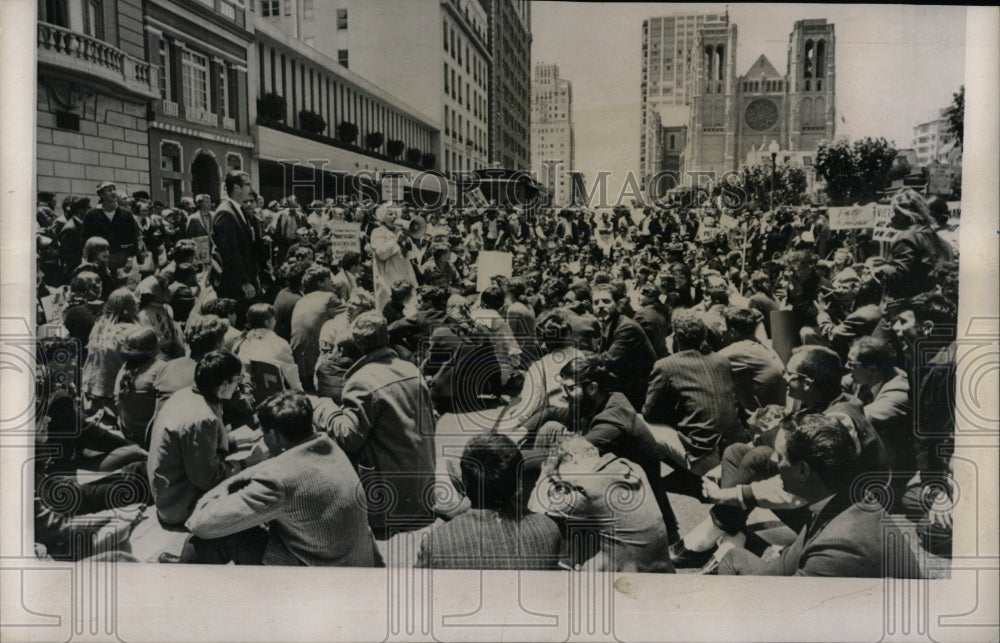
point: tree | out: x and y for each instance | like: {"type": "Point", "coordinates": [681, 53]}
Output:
{"type": "Point", "coordinates": [374, 140]}
{"type": "Point", "coordinates": [900, 168]}
{"type": "Point", "coordinates": [854, 173]}
{"type": "Point", "coordinates": [394, 148]}
{"type": "Point", "coordinates": [428, 160]}
{"type": "Point", "coordinates": [413, 156]}
{"type": "Point", "coordinates": [271, 108]}
{"type": "Point", "coordinates": [789, 185]}
{"type": "Point", "coordinates": [955, 113]}
{"type": "Point", "coordinates": [311, 122]}
{"type": "Point", "coordinates": [347, 132]}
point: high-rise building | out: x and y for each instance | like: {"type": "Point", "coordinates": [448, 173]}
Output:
{"type": "Point", "coordinates": [397, 46]}
{"type": "Point", "coordinates": [552, 149]}
{"type": "Point", "coordinates": [930, 138]}
{"type": "Point", "coordinates": [735, 117]}
{"type": "Point", "coordinates": [510, 91]}
{"type": "Point", "coordinates": [667, 44]}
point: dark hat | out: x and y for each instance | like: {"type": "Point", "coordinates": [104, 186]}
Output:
{"type": "Point", "coordinates": [105, 184]}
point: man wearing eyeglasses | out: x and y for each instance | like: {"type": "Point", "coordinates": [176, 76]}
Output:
{"type": "Point", "coordinates": [843, 536]}
{"type": "Point", "coordinates": [749, 476]}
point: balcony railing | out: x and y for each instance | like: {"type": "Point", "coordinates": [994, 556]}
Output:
{"type": "Point", "coordinates": [81, 53]}
{"type": "Point", "coordinates": [201, 116]}
{"type": "Point", "coordinates": [169, 108]}
{"type": "Point", "coordinates": [229, 123]}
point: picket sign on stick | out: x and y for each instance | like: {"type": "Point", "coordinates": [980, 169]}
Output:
{"type": "Point", "coordinates": [344, 237]}
{"type": "Point", "coordinates": [854, 217]}
{"type": "Point", "coordinates": [491, 264]}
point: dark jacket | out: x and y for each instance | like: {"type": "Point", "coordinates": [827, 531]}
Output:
{"type": "Point", "coordinates": [695, 394]}
{"type": "Point", "coordinates": [629, 355]}
{"type": "Point", "coordinates": [121, 233]}
{"type": "Point", "coordinates": [386, 426]}
{"type": "Point", "coordinates": [913, 255]}
{"type": "Point", "coordinates": [847, 539]}
{"type": "Point", "coordinates": [233, 235]}
{"type": "Point", "coordinates": [655, 322]}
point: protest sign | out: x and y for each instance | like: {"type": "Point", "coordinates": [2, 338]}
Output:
{"type": "Point", "coordinates": [392, 188]}
{"type": "Point", "coordinates": [881, 230]}
{"type": "Point", "coordinates": [784, 333]}
{"type": "Point", "coordinates": [491, 264]}
{"type": "Point", "coordinates": [203, 251]}
{"type": "Point", "coordinates": [706, 233]}
{"type": "Point", "coordinates": [344, 237]}
{"type": "Point", "coordinates": [938, 179]}
{"type": "Point", "coordinates": [476, 198]}
{"type": "Point", "coordinates": [855, 217]}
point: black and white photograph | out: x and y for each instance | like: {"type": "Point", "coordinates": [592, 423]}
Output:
{"type": "Point", "coordinates": [536, 320]}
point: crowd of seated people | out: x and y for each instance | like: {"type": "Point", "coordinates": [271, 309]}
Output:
{"type": "Point", "coordinates": [758, 369]}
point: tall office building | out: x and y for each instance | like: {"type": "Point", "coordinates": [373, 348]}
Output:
{"type": "Point", "coordinates": [667, 44]}
{"type": "Point", "coordinates": [510, 82]}
{"type": "Point", "coordinates": [552, 133]}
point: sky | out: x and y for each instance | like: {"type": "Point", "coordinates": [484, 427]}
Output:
{"type": "Point", "coordinates": [897, 65]}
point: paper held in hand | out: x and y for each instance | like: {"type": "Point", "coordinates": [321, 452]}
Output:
{"type": "Point", "coordinates": [491, 264]}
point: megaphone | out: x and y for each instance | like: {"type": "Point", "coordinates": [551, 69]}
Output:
{"type": "Point", "coordinates": [418, 227]}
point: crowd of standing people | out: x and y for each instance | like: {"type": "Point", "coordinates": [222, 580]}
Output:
{"type": "Point", "coordinates": [279, 400]}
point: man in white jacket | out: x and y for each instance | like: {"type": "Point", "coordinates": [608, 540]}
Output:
{"type": "Point", "coordinates": [390, 250]}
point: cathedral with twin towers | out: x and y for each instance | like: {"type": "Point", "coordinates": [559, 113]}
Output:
{"type": "Point", "coordinates": [732, 119]}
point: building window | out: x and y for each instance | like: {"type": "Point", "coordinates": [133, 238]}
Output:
{"type": "Point", "coordinates": [270, 8]}
{"type": "Point", "coordinates": [194, 69]}
{"type": "Point", "coordinates": [342, 57]}
{"type": "Point", "coordinates": [341, 19]}
{"type": "Point", "coordinates": [307, 9]}
{"type": "Point", "coordinates": [223, 91]}
{"type": "Point", "coordinates": [93, 18]}
{"type": "Point", "coordinates": [164, 65]}
{"type": "Point", "coordinates": [170, 156]}
{"type": "Point", "coordinates": [288, 8]}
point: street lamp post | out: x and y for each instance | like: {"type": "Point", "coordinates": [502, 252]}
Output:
{"type": "Point", "coordinates": [773, 148]}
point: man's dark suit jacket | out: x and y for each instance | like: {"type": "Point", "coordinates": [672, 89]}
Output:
{"type": "Point", "coordinates": [655, 322]}
{"type": "Point", "coordinates": [695, 394]}
{"type": "Point", "coordinates": [234, 239]}
{"type": "Point", "coordinates": [847, 539]}
{"type": "Point", "coordinates": [629, 355]}
{"type": "Point", "coordinates": [71, 244]}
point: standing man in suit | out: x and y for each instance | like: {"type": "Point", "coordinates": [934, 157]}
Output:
{"type": "Point", "coordinates": [843, 538]}
{"type": "Point", "coordinates": [234, 236]}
